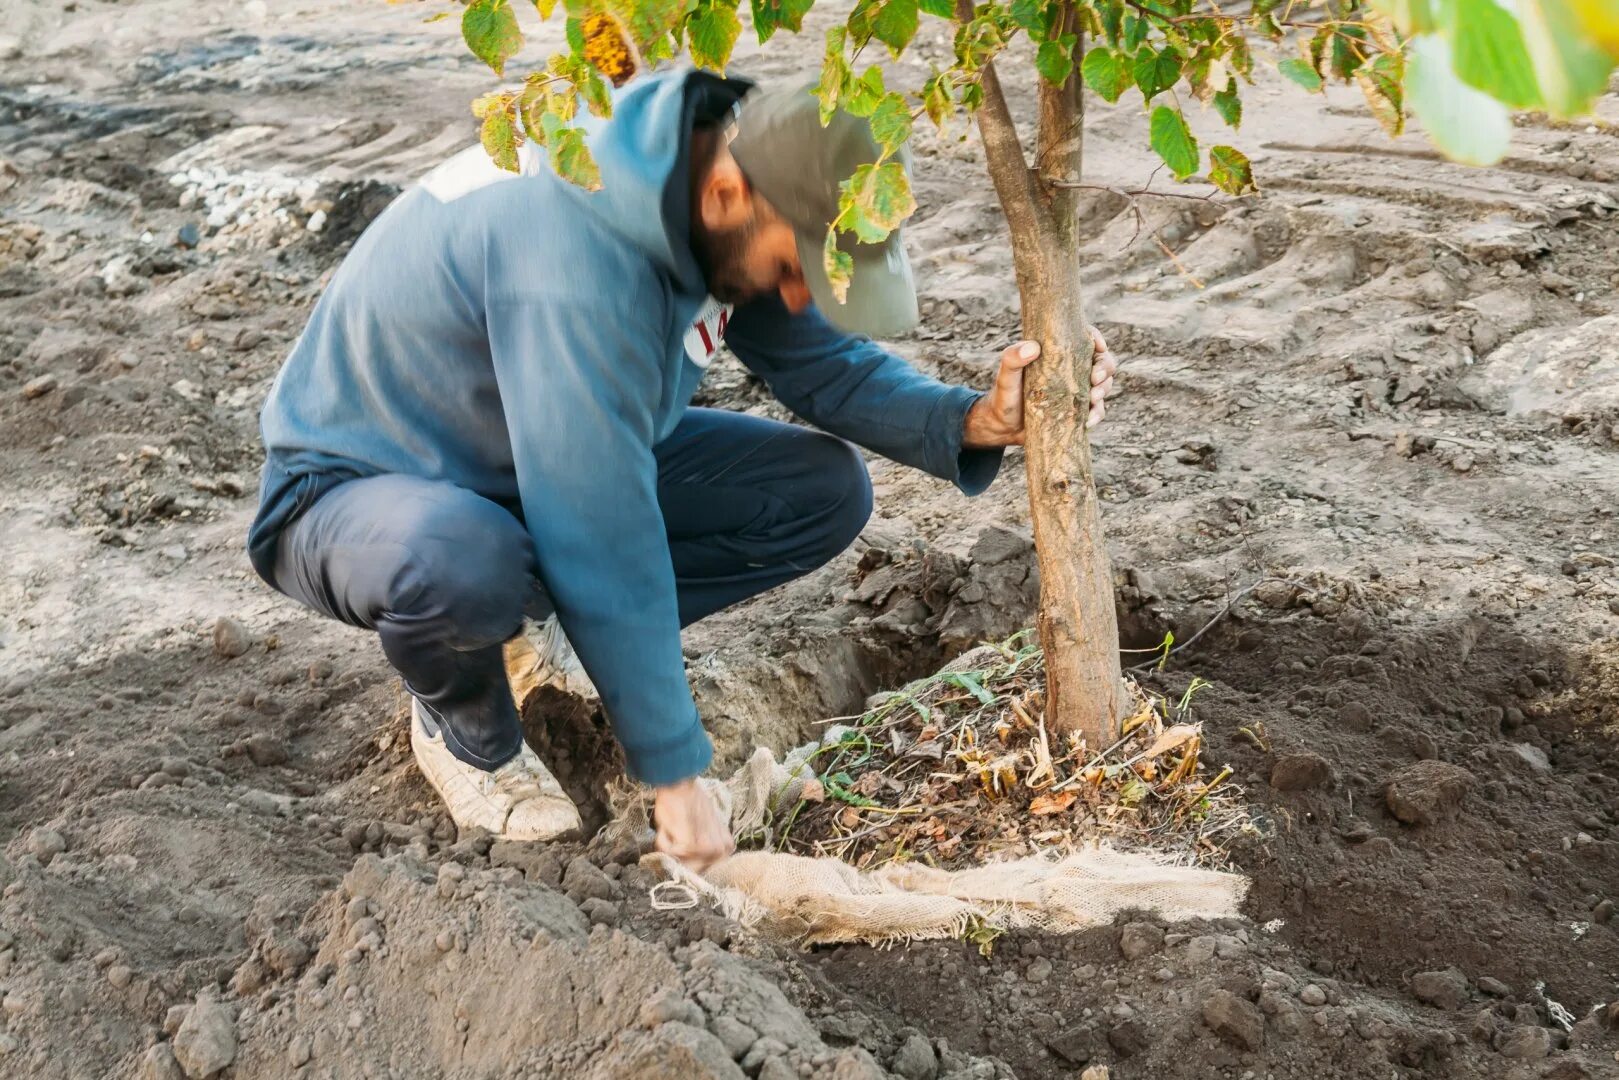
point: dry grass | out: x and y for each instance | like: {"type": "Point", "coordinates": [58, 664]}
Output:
{"type": "Point", "coordinates": [959, 769]}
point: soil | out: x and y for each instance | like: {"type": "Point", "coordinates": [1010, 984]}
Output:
{"type": "Point", "coordinates": [1387, 379]}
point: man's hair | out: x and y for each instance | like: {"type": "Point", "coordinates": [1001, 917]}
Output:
{"type": "Point", "coordinates": [707, 136]}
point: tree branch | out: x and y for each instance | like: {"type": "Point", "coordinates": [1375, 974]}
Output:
{"type": "Point", "coordinates": [1008, 168]}
{"type": "Point", "coordinates": [1059, 146]}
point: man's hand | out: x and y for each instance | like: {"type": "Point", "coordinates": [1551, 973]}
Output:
{"type": "Point", "coordinates": [689, 825]}
{"type": "Point", "coordinates": [997, 418]}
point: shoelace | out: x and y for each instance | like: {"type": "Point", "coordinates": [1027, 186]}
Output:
{"type": "Point", "coordinates": [518, 779]}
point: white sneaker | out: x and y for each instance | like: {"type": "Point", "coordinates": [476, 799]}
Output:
{"type": "Point", "coordinates": [521, 800]}
{"type": "Point", "coordinates": [542, 656]}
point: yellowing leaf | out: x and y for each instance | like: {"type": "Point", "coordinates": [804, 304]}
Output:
{"type": "Point", "coordinates": [712, 34]}
{"type": "Point", "coordinates": [1171, 739]}
{"type": "Point", "coordinates": [1052, 803]}
{"type": "Point", "coordinates": [500, 138]}
{"type": "Point", "coordinates": [1230, 171]}
{"type": "Point", "coordinates": [839, 267]}
{"type": "Point", "coordinates": [891, 126]}
{"type": "Point", "coordinates": [1383, 83]}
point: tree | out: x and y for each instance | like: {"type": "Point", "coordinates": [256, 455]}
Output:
{"type": "Point", "coordinates": [1460, 65]}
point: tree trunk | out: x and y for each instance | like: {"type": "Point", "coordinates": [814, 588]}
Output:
{"type": "Point", "coordinates": [1078, 625]}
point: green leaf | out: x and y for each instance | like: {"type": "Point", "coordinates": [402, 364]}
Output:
{"type": "Point", "coordinates": [943, 9]}
{"type": "Point", "coordinates": [574, 29]}
{"type": "Point", "coordinates": [1156, 72]}
{"type": "Point", "coordinates": [1172, 140]}
{"type": "Point", "coordinates": [1230, 171]}
{"type": "Point", "coordinates": [967, 682]}
{"type": "Point", "coordinates": [770, 15]}
{"type": "Point", "coordinates": [545, 7]}
{"type": "Point", "coordinates": [1467, 125]}
{"type": "Point", "coordinates": [1055, 60]}
{"type": "Point", "coordinates": [597, 95]}
{"type": "Point", "coordinates": [1135, 32]}
{"type": "Point", "coordinates": [570, 157]}
{"type": "Point", "coordinates": [866, 93]}
{"type": "Point", "coordinates": [491, 32]}
{"type": "Point", "coordinates": [1105, 72]}
{"type": "Point", "coordinates": [1349, 51]}
{"type": "Point", "coordinates": [880, 199]}
{"type": "Point", "coordinates": [1488, 51]}
{"type": "Point", "coordinates": [1302, 73]}
{"type": "Point", "coordinates": [1410, 17]}
{"type": "Point", "coordinates": [712, 33]}
{"type": "Point", "coordinates": [1383, 83]}
{"type": "Point", "coordinates": [1572, 70]}
{"type": "Point", "coordinates": [896, 24]}
{"type": "Point", "coordinates": [891, 122]}
{"type": "Point", "coordinates": [1228, 104]}
{"type": "Point", "coordinates": [838, 264]}
{"type": "Point", "coordinates": [1031, 16]}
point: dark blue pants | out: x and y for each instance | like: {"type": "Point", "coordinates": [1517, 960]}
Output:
{"type": "Point", "coordinates": [445, 576]}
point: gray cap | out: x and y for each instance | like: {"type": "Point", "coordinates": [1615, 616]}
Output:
{"type": "Point", "coordinates": [797, 165]}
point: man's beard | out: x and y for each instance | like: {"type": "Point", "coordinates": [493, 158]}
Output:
{"type": "Point", "coordinates": [721, 255]}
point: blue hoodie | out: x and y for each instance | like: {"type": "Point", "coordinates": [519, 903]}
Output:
{"type": "Point", "coordinates": [532, 342]}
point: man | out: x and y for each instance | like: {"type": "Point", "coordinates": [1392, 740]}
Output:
{"type": "Point", "coordinates": [486, 421]}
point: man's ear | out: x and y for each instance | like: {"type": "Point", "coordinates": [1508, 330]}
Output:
{"type": "Point", "coordinates": [724, 201]}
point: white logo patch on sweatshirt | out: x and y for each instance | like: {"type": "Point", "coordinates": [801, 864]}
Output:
{"type": "Point", "coordinates": [706, 333]}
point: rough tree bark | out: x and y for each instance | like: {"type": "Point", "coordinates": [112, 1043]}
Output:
{"type": "Point", "coordinates": [1078, 625]}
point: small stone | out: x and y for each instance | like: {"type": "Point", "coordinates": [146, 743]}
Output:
{"type": "Point", "coordinates": [159, 1064]}
{"type": "Point", "coordinates": [299, 1052]}
{"type": "Point", "coordinates": [1039, 970]}
{"type": "Point", "coordinates": [445, 941]}
{"type": "Point", "coordinates": [119, 975]}
{"type": "Point", "coordinates": [1442, 989]}
{"type": "Point", "coordinates": [206, 1041]}
{"type": "Point", "coordinates": [9, 1044]}
{"type": "Point", "coordinates": [1237, 1021]}
{"type": "Point", "coordinates": [1526, 1043]}
{"type": "Point", "coordinates": [230, 638]}
{"type": "Point", "coordinates": [1140, 939]}
{"type": "Point", "coordinates": [46, 844]}
{"type": "Point", "coordinates": [174, 1018]}
{"type": "Point", "coordinates": [266, 750]}
{"type": "Point", "coordinates": [915, 1059]}
{"type": "Point", "coordinates": [1313, 996]}
{"type": "Point", "coordinates": [10, 47]}
{"type": "Point", "coordinates": [583, 879]}
{"type": "Point", "coordinates": [188, 235]}
{"type": "Point", "coordinates": [736, 1036]}
{"type": "Point", "coordinates": [39, 386]}
{"type": "Point", "coordinates": [1300, 772]}
{"type": "Point", "coordinates": [1428, 792]}
{"type": "Point", "coordinates": [1494, 987]}
{"type": "Point", "coordinates": [1603, 912]}
{"type": "Point", "coordinates": [285, 954]}
{"type": "Point", "coordinates": [597, 910]}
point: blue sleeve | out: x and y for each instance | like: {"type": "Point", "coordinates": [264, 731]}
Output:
{"type": "Point", "coordinates": [851, 387]}
{"type": "Point", "coordinates": [580, 388]}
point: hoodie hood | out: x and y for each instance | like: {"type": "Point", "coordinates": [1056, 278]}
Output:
{"type": "Point", "coordinates": [644, 153]}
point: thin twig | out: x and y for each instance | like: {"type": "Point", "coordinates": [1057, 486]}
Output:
{"type": "Point", "coordinates": [1222, 613]}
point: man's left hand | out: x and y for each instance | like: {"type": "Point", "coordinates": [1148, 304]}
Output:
{"type": "Point", "coordinates": [997, 418]}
